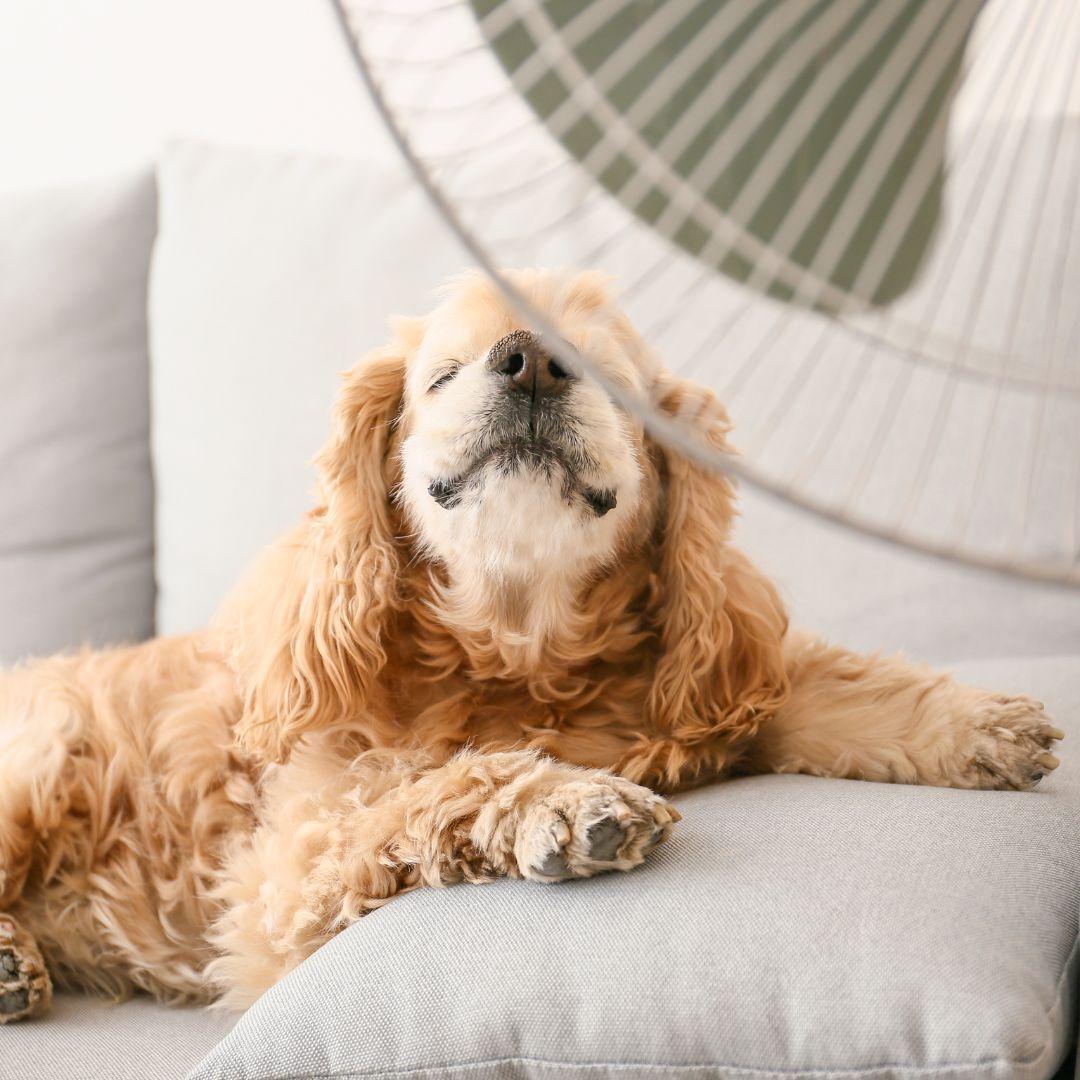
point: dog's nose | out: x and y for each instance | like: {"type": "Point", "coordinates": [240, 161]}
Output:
{"type": "Point", "coordinates": [527, 366]}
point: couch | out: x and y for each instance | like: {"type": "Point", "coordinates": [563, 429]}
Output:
{"type": "Point", "coordinates": [169, 344]}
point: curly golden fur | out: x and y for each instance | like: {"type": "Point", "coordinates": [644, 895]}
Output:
{"type": "Point", "coordinates": [507, 623]}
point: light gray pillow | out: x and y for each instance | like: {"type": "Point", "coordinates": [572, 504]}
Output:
{"type": "Point", "coordinates": [793, 927]}
{"type": "Point", "coordinates": [272, 273]}
{"type": "Point", "coordinates": [76, 540]}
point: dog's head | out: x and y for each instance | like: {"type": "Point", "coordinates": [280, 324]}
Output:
{"type": "Point", "coordinates": [513, 465]}
{"type": "Point", "coordinates": [474, 446]}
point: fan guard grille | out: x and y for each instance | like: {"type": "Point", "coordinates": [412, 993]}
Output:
{"type": "Point", "coordinates": [930, 397]}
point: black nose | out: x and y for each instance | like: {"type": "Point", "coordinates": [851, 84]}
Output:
{"type": "Point", "coordinates": [527, 366]}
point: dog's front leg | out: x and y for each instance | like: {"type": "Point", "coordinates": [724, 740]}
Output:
{"type": "Point", "coordinates": [883, 718]}
{"type": "Point", "coordinates": [323, 862]}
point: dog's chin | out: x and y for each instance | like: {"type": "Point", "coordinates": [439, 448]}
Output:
{"type": "Point", "coordinates": [540, 460]}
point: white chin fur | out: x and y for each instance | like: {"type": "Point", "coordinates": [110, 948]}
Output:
{"type": "Point", "coordinates": [519, 527]}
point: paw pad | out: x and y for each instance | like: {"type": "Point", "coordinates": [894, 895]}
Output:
{"type": "Point", "coordinates": [13, 1002]}
{"type": "Point", "coordinates": [587, 826]}
{"type": "Point", "coordinates": [605, 839]}
{"type": "Point", "coordinates": [554, 866]}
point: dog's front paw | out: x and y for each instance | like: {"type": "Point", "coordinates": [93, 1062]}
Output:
{"type": "Point", "coordinates": [1010, 744]}
{"type": "Point", "coordinates": [25, 988]}
{"type": "Point", "coordinates": [586, 826]}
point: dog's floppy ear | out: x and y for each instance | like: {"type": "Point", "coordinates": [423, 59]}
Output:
{"type": "Point", "coordinates": [721, 623]}
{"type": "Point", "coordinates": [308, 629]}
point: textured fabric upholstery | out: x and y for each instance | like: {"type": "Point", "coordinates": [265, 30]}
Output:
{"type": "Point", "coordinates": [793, 926]}
{"type": "Point", "coordinates": [83, 1038]}
{"type": "Point", "coordinates": [76, 541]}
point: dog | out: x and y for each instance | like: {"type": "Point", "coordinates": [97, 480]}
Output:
{"type": "Point", "coordinates": [511, 624]}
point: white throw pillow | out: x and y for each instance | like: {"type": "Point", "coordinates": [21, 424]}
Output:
{"type": "Point", "coordinates": [76, 541]}
{"type": "Point", "coordinates": [272, 274]}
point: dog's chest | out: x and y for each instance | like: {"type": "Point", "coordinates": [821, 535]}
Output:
{"type": "Point", "coordinates": [588, 719]}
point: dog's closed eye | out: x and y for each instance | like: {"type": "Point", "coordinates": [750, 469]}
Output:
{"type": "Point", "coordinates": [443, 379]}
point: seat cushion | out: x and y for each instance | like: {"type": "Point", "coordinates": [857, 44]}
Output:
{"type": "Point", "coordinates": [83, 1038]}
{"type": "Point", "coordinates": [792, 926]}
{"type": "Point", "coordinates": [76, 519]}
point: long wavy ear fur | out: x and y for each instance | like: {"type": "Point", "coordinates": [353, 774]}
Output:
{"type": "Point", "coordinates": [720, 670]}
{"type": "Point", "coordinates": [308, 627]}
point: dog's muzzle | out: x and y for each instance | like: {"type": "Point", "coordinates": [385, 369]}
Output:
{"type": "Point", "coordinates": [533, 377]}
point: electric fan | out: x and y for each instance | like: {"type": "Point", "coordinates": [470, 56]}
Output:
{"type": "Point", "coordinates": [854, 219]}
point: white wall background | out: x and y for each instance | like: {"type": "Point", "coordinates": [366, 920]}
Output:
{"type": "Point", "coordinates": [89, 88]}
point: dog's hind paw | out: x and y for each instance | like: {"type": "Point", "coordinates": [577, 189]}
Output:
{"type": "Point", "coordinates": [25, 988]}
{"type": "Point", "coordinates": [589, 825]}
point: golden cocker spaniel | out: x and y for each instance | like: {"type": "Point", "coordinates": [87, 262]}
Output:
{"type": "Point", "coordinates": [509, 621]}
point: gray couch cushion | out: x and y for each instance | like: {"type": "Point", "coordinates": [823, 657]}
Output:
{"type": "Point", "coordinates": [792, 926]}
{"type": "Point", "coordinates": [83, 1038]}
{"type": "Point", "coordinates": [76, 542]}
